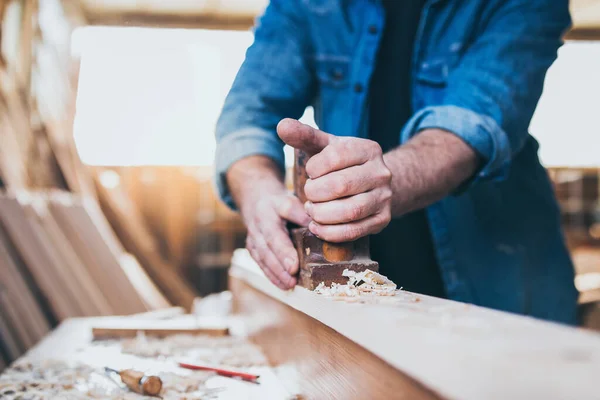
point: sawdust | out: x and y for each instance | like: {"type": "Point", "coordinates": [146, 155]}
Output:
{"type": "Point", "coordinates": [366, 283]}
{"type": "Point", "coordinates": [228, 350]}
{"type": "Point", "coordinates": [61, 380]}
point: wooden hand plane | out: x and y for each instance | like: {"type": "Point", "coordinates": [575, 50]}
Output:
{"type": "Point", "coordinates": [322, 261]}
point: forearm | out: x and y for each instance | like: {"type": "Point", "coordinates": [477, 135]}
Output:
{"type": "Point", "coordinates": [251, 176]}
{"type": "Point", "coordinates": [427, 168]}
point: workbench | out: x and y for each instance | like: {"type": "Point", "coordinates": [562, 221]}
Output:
{"type": "Point", "coordinates": [411, 346]}
{"type": "Point", "coordinates": [404, 347]}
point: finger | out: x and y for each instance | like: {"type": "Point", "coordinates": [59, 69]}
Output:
{"type": "Point", "coordinates": [291, 209]}
{"type": "Point", "coordinates": [271, 262]}
{"type": "Point", "coordinates": [350, 231]}
{"type": "Point", "coordinates": [302, 137]}
{"type": "Point", "coordinates": [344, 183]}
{"type": "Point", "coordinates": [343, 153]}
{"type": "Point", "coordinates": [258, 258]}
{"type": "Point", "coordinates": [346, 210]}
{"type": "Point", "coordinates": [280, 244]}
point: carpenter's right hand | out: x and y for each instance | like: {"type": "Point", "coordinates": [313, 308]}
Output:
{"type": "Point", "coordinates": [265, 214]}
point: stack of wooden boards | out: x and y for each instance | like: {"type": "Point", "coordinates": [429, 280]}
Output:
{"type": "Point", "coordinates": [59, 256]}
{"type": "Point", "coordinates": [60, 259]}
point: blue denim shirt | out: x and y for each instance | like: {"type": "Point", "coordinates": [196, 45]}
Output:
{"type": "Point", "coordinates": [478, 72]}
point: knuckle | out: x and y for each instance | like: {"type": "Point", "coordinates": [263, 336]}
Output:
{"type": "Point", "coordinates": [341, 187]}
{"type": "Point", "coordinates": [386, 195]}
{"type": "Point", "coordinates": [334, 159]}
{"type": "Point", "coordinates": [375, 148]}
{"type": "Point", "coordinates": [309, 189]}
{"type": "Point", "coordinates": [317, 214]}
{"type": "Point", "coordinates": [386, 174]}
{"type": "Point", "coordinates": [285, 207]}
{"type": "Point", "coordinates": [355, 211]}
{"type": "Point", "coordinates": [351, 233]}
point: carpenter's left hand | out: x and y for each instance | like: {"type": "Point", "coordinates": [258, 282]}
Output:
{"type": "Point", "coordinates": [349, 185]}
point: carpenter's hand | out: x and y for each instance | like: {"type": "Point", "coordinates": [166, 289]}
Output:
{"type": "Point", "coordinates": [349, 185]}
{"type": "Point", "coordinates": [265, 214]}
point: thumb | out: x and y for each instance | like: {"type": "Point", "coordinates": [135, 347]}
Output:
{"type": "Point", "coordinates": [302, 137]}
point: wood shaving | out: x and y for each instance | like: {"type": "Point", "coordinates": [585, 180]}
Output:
{"type": "Point", "coordinates": [228, 350]}
{"type": "Point", "coordinates": [365, 283]}
{"type": "Point", "coordinates": [62, 380]}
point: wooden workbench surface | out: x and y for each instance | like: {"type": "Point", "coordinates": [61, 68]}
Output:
{"type": "Point", "coordinates": [72, 342]}
{"type": "Point", "coordinates": [455, 350]}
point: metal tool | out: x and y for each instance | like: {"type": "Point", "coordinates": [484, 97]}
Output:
{"type": "Point", "coordinates": [137, 381]}
{"type": "Point", "coordinates": [321, 261]}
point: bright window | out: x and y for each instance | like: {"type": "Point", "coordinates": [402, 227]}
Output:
{"type": "Point", "coordinates": [152, 97]}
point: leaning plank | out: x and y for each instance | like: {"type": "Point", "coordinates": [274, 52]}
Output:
{"type": "Point", "coordinates": [38, 260]}
{"type": "Point", "coordinates": [8, 342]}
{"type": "Point", "coordinates": [148, 291]}
{"type": "Point", "coordinates": [89, 295]}
{"type": "Point", "coordinates": [136, 239]}
{"type": "Point", "coordinates": [13, 318]}
{"type": "Point", "coordinates": [102, 263]}
{"type": "Point", "coordinates": [55, 261]}
{"type": "Point", "coordinates": [28, 309]}
{"type": "Point", "coordinates": [456, 350]}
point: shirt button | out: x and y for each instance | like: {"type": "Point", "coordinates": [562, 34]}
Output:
{"type": "Point", "coordinates": [358, 88]}
{"type": "Point", "coordinates": [337, 74]}
{"type": "Point", "coordinates": [373, 29]}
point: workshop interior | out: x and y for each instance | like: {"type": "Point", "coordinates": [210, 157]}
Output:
{"type": "Point", "coordinates": [123, 274]}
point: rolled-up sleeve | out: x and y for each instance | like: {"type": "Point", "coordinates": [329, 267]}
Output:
{"type": "Point", "coordinates": [492, 92]}
{"type": "Point", "coordinates": [240, 144]}
{"type": "Point", "coordinates": [479, 131]}
{"type": "Point", "coordinates": [274, 82]}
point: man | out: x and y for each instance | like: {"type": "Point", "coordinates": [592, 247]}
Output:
{"type": "Point", "coordinates": [423, 108]}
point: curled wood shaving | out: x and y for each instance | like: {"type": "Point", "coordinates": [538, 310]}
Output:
{"type": "Point", "coordinates": [61, 380]}
{"type": "Point", "coordinates": [230, 351]}
{"type": "Point", "coordinates": [365, 283]}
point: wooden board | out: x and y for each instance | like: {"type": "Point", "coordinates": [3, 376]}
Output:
{"type": "Point", "coordinates": [151, 296]}
{"type": "Point", "coordinates": [329, 365]}
{"type": "Point", "coordinates": [132, 327]}
{"type": "Point", "coordinates": [34, 252]}
{"type": "Point", "coordinates": [8, 339]}
{"type": "Point", "coordinates": [89, 294]}
{"type": "Point", "coordinates": [457, 350]}
{"type": "Point", "coordinates": [21, 291]}
{"type": "Point", "coordinates": [136, 239]}
{"type": "Point", "coordinates": [103, 265]}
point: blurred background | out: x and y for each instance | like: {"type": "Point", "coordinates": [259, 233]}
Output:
{"type": "Point", "coordinates": [107, 115]}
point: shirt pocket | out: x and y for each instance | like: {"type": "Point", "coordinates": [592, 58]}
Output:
{"type": "Point", "coordinates": [333, 71]}
{"type": "Point", "coordinates": [434, 72]}
{"type": "Point", "coordinates": [332, 104]}
{"type": "Point", "coordinates": [432, 79]}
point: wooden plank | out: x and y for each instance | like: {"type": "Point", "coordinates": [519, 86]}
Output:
{"type": "Point", "coordinates": [329, 365]}
{"type": "Point", "coordinates": [29, 310]}
{"type": "Point", "coordinates": [89, 295]}
{"type": "Point", "coordinates": [8, 340]}
{"type": "Point", "coordinates": [164, 328]}
{"type": "Point", "coordinates": [151, 296]}
{"type": "Point", "coordinates": [457, 350]}
{"type": "Point", "coordinates": [12, 316]}
{"type": "Point", "coordinates": [3, 363]}
{"type": "Point", "coordinates": [136, 239]}
{"type": "Point", "coordinates": [33, 252]}
{"type": "Point", "coordinates": [97, 255]}
{"type": "Point", "coordinates": [165, 313]}
{"type": "Point", "coordinates": [70, 288]}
